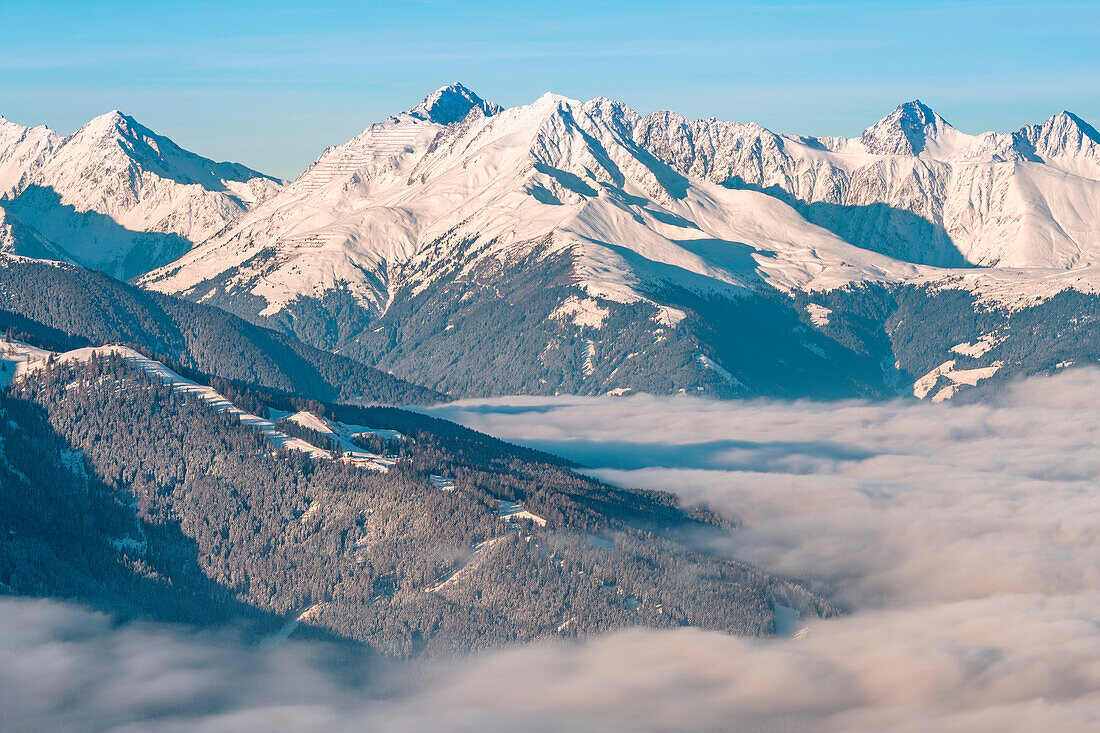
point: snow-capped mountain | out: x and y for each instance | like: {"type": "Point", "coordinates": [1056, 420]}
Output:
{"type": "Point", "coordinates": [911, 129]}
{"type": "Point", "coordinates": [912, 186]}
{"type": "Point", "coordinates": [116, 196]}
{"type": "Point", "coordinates": [452, 104]}
{"type": "Point", "coordinates": [581, 247]}
{"type": "Point", "coordinates": [412, 205]}
{"type": "Point", "coordinates": [418, 244]}
{"type": "Point", "coordinates": [21, 150]}
{"type": "Point", "coordinates": [1067, 142]}
{"type": "Point", "coordinates": [566, 175]}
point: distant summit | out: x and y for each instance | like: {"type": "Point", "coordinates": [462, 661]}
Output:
{"type": "Point", "coordinates": [905, 131]}
{"type": "Point", "coordinates": [116, 196]}
{"type": "Point", "coordinates": [451, 104]}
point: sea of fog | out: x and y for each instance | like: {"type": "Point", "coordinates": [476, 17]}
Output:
{"type": "Point", "coordinates": [963, 540]}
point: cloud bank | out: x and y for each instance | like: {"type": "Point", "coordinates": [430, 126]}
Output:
{"type": "Point", "coordinates": [892, 504]}
{"type": "Point", "coordinates": [963, 539]}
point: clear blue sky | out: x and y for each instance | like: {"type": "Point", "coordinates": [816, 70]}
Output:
{"type": "Point", "coordinates": [270, 84]}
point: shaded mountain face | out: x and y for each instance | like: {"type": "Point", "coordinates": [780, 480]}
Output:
{"type": "Point", "coordinates": [452, 104]}
{"type": "Point", "coordinates": [116, 196]}
{"type": "Point", "coordinates": [578, 246]}
{"type": "Point", "coordinates": [18, 238]}
{"type": "Point", "coordinates": [906, 131]}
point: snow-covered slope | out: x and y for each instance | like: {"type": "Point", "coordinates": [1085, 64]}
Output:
{"type": "Point", "coordinates": [18, 238]}
{"type": "Point", "coordinates": [118, 197]}
{"type": "Point", "coordinates": [21, 150]}
{"type": "Point", "coordinates": [372, 213]}
{"type": "Point", "coordinates": [29, 359]}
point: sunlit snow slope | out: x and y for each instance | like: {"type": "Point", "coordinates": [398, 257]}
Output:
{"type": "Point", "coordinates": [116, 196]}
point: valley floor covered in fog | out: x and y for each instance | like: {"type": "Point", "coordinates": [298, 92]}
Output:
{"type": "Point", "coordinates": [963, 540]}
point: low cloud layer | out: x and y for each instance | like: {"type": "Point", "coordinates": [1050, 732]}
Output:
{"type": "Point", "coordinates": [964, 540]}
{"type": "Point", "coordinates": [1011, 663]}
{"type": "Point", "coordinates": [893, 504]}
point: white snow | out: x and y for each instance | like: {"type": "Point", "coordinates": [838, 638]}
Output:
{"type": "Point", "coordinates": [478, 553]}
{"type": "Point", "coordinates": [130, 544]}
{"type": "Point", "coordinates": [14, 358]}
{"type": "Point", "coordinates": [342, 434]}
{"type": "Point", "coordinates": [788, 621]}
{"type": "Point", "coordinates": [819, 314]}
{"type": "Point", "coordinates": [597, 541]}
{"type": "Point", "coordinates": [954, 378]}
{"type": "Point", "coordinates": [387, 434]}
{"type": "Point", "coordinates": [74, 461]}
{"type": "Point", "coordinates": [310, 421]}
{"type": "Point", "coordinates": [443, 483]}
{"type": "Point", "coordinates": [924, 385]}
{"type": "Point", "coordinates": [1022, 199]}
{"type": "Point", "coordinates": [207, 394]}
{"type": "Point", "coordinates": [408, 193]}
{"type": "Point", "coordinates": [514, 510]}
{"type": "Point", "coordinates": [126, 180]}
{"type": "Point", "coordinates": [979, 347]}
{"type": "Point", "coordinates": [555, 174]}
{"type": "Point", "coordinates": [589, 357]}
{"type": "Point", "coordinates": [973, 376]}
{"type": "Point", "coordinates": [582, 312]}
{"type": "Point", "coordinates": [457, 175]}
{"type": "Point", "coordinates": [714, 366]}
{"type": "Point", "coordinates": [292, 625]}
{"type": "Point", "coordinates": [314, 507]}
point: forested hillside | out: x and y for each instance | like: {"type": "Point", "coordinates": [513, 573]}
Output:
{"type": "Point", "coordinates": [186, 501]}
{"type": "Point", "coordinates": [67, 307]}
{"type": "Point", "coordinates": [68, 534]}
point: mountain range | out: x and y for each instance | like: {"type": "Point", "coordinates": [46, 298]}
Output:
{"type": "Point", "coordinates": [582, 247]}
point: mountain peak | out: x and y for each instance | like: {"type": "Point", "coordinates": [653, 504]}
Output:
{"type": "Point", "coordinates": [114, 117]}
{"type": "Point", "coordinates": [905, 131]}
{"type": "Point", "coordinates": [1067, 138]}
{"type": "Point", "coordinates": [1066, 120]}
{"type": "Point", "coordinates": [12, 128]}
{"type": "Point", "coordinates": [110, 123]}
{"type": "Point", "coordinates": [451, 104]}
{"type": "Point", "coordinates": [916, 109]}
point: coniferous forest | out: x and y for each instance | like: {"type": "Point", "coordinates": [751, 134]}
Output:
{"type": "Point", "coordinates": [161, 505]}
